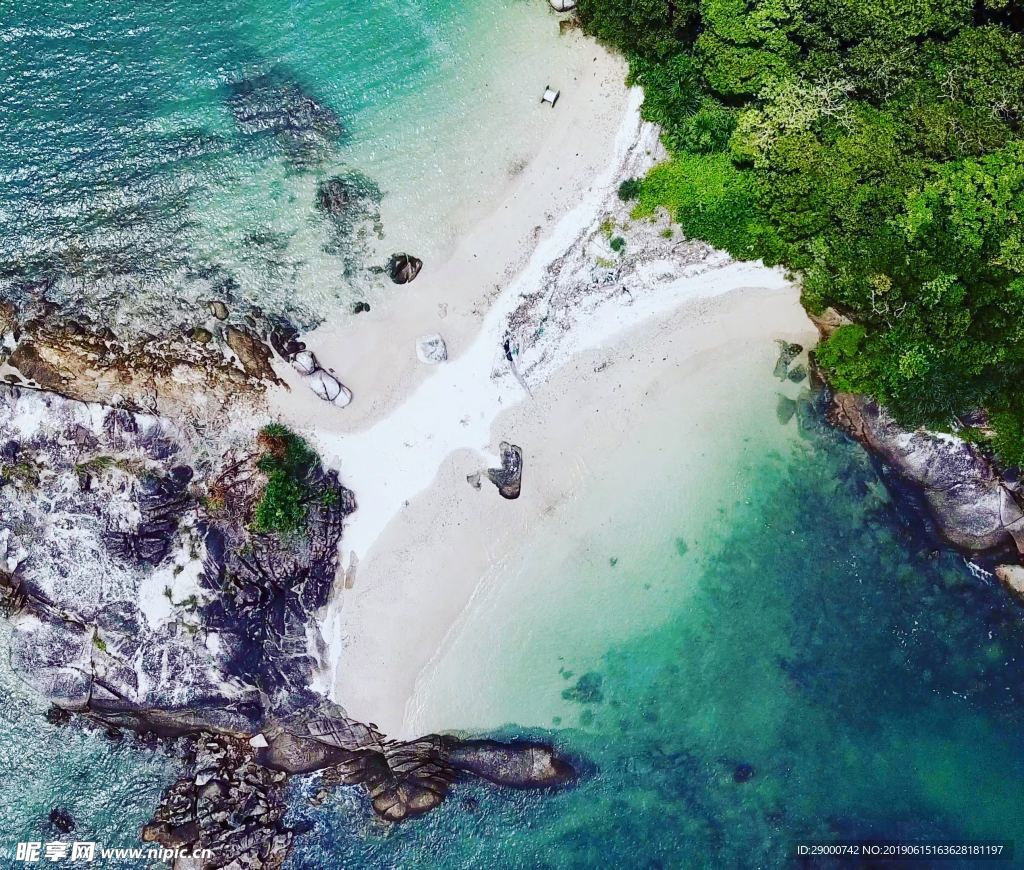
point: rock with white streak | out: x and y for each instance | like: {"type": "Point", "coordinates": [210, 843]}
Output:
{"type": "Point", "coordinates": [431, 349]}
{"type": "Point", "coordinates": [304, 362]}
{"type": "Point", "coordinates": [329, 388]}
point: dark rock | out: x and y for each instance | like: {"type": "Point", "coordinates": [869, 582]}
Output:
{"type": "Point", "coordinates": [743, 772]}
{"type": "Point", "coordinates": [57, 715]}
{"type": "Point", "coordinates": [519, 765]}
{"type": "Point", "coordinates": [797, 374]}
{"type": "Point", "coordinates": [509, 477]}
{"type": "Point", "coordinates": [961, 487]}
{"type": "Point", "coordinates": [62, 820]}
{"type": "Point", "coordinates": [285, 340]}
{"type": "Point", "coordinates": [360, 307]}
{"type": "Point", "coordinates": [403, 268]}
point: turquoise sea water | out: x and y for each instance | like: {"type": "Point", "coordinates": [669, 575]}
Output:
{"type": "Point", "coordinates": [155, 154]}
{"type": "Point", "coordinates": [872, 683]}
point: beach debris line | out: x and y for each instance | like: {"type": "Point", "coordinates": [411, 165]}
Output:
{"type": "Point", "coordinates": [550, 95]}
{"type": "Point", "coordinates": [431, 349]}
{"type": "Point", "coordinates": [404, 268]}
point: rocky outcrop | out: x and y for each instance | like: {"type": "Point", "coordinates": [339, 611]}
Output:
{"type": "Point", "coordinates": [225, 803]}
{"type": "Point", "coordinates": [403, 268]}
{"type": "Point", "coordinates": [973, 506]}
{"type": "Point", "coordinates": [182, 374]}
{"type": "Point", "coordinates": [168, 613]}
{"type": "Point", "coordinates": [253, 354]}
{"type": "Point", "coordinates": [163, 574]}
{"type": "Point", "coordinates": [518, 765]}
{"type": "Point", "coordinates": [1012, 577]}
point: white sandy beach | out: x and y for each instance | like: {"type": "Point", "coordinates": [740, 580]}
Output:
{"type": "Point", "coordinates": [597, 342]}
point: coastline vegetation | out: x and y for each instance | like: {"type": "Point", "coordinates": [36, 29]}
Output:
{"type": "Point", "coordinates": [874, 148]}
{"type": "Point", "coordinates": [288, 462]}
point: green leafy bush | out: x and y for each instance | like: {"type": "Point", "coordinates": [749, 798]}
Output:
{"type": "Point", "coordinates": [288, 463]}
{"type": "Point", "coordinates": [629, 189]}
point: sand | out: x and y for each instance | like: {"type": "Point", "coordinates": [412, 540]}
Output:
{"type": "Point", "coordinates": [593, 342]}
{"type": "Point", "coordinates": [425, 572]}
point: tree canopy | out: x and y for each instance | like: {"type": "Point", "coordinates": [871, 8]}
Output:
{"type": "Point", "coordinates": [873, 147]}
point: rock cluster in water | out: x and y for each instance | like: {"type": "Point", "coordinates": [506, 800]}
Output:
{"type": "Point", "coordinates": [973, 505]}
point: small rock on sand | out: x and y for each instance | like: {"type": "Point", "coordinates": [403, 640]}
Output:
{"type": "Point", "coordinates": [329, 388]}
{"type": "Point", "coordinates": [431, 349]}
{"type": "Point", "coordinates": [403, 268]}
{"type": "Point", "coordinates": [304, 362]}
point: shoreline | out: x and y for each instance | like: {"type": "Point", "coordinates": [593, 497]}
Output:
{"type": "Point", "coordinates": [415, 435]}
{"type": "Point", "coordinates": [437, 561]}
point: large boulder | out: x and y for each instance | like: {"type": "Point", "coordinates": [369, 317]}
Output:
{"type": "Point", "coordinates": [971, 505]}
{"type": "Point", "coordinates": [519, 765]}
{"type": "Point", "coordinates": [508, 478]}
{"type": "Point", "coordinates": [403, 268]}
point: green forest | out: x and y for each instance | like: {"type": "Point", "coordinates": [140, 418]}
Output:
{"type": "Point", "coordinates": [873, 147]}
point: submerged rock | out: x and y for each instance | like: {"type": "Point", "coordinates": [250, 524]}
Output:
{"type": "Point", "coordinates": [334, 196]}
{"type": "Point", "coordinates": [743, 772]}
{"type": "Point", "coordinates": [276, 105]}
{"type": "Point", "coordinates": [403, 268]}
{"type": "Point", "coordinates": [509, 477]}
{"type": "Point", "coordinates": [431, 349]}
{"type": "Point", "coordinates": [787, 353]}
{"type": "Point", "coordinates": [63, 822]}
{"type": "Point", "coordinates": [785, 409]}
